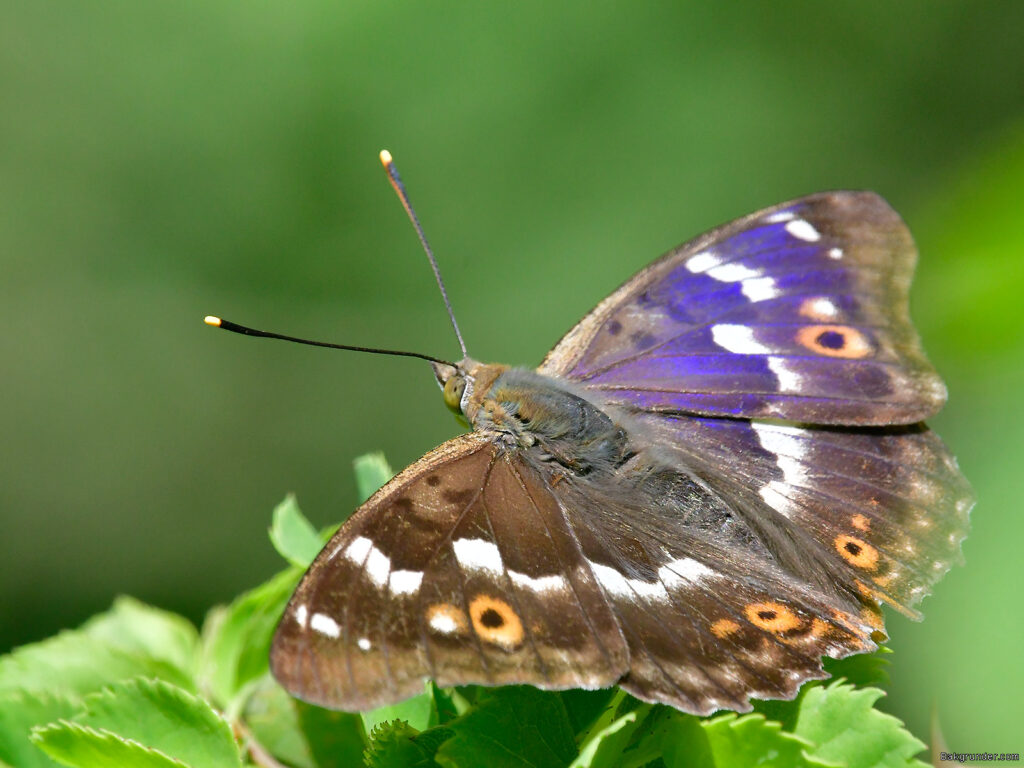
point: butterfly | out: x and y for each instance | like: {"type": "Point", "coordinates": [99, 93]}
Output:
{"type": "Point", "coordinates": [713, 480]}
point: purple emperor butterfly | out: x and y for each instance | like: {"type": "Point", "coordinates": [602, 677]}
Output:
{"type": "Point", "coordinates": [715, 479]}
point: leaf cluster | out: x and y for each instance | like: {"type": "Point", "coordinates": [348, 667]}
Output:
{"type": "Point", "coordinates": [138, 686]}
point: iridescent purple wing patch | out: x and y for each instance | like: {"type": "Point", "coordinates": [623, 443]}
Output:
{"type": "Point", "coordinates": [798, 312]}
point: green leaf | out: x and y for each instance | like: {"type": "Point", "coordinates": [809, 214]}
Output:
{"type": "Point", "coordinates": [420, 712]}
{"type": "Point", "coordinates": [164, 718]}
{"type": "Point", "coordinates": [605, 747]}
{"type": "Point", "coordinates": [236, 640]}
{"type": "Point", "coordinates": [585, 707]}
{"type": "Point", "coordinates": [76, 745]}
{"type": "Point", "coordinates": [680, 740]}
{"type": "Point", "coordinates": [394, 745]}
{"type": "Point", "coordinates": [74, 663]}
{"type": "Point", "coordinates": [512, 727]}
{"type": "Point", "coordinates": [372, 471]}
{"type": "Point", "coordinates": [272, 718]}
{"type": "Point", "coordinates": [863, 670]}
{"type": "Point", "coordinates": [444, 704]}
{"type": "Point", "coordinates": [135, 627]}
{"type": "Point", "coordinates": [292, 535]}
{"type": "Point", "coordinates": [845, 726]}
{"type": "Point", "coordinates": [730, 741]}
{"type": "Point", "coordinates": [301, 734]}
{"type": "Point", "coordinates": [335, 739]}
{"type": "Point", "coordinates": [19, 713]}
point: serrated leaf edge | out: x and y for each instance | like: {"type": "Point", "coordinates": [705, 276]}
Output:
{"type": "Point", "coordinates": [38, 735]}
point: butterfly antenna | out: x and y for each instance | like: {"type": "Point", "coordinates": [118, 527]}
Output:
{"type": "Point", "coordinates": [396, 182]}
{"type": "Point", "coordinates": [227, 325]}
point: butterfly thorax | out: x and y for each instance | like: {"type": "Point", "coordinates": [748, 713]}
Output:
{"type": "Point", "coordinates": [523, 408]}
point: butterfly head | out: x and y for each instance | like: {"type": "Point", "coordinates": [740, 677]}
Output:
{"type": "Point", "coordinates": [465, 384]}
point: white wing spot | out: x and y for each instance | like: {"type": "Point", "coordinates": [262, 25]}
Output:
{"type": "Point", "coordinates": [822, 308]}
{"type": "Point", "coordinates": [443, 623]}
{"type": "Point", "coordinates": [783, 442]}
{"type": "Point", "coordinates": [732, 273]}
{"type": "Point", "coordinates": [789, 380]}
{"type": "Point", "coordinates": [359, 549]}
{"type": "Point", "coordinates": [760, 289]}
{"type": "Point", "coordinates": [301, 614]}
{"type": "Point", "coordinates": [478, 554]}
{"type": "Point", "coordinates": [775, 218]}
{"type": "Point", "coordinates": [363, 643]}
{"type": "Point", "coordinates": [738, 339]}
{"type": "Point", "coordinates": [539, 583]}
{"type": "Point", "coordinates": [404, 582]}
{"type": "Point", "coordinates": [325, 625]}
{"type": "Point", "coordinates": [684, 569]}
{"type": "Point", "coordinates": [835, 253]}
{"type": "Point", "coordinates": [803, 230]}
{"type": "Point", "coordinates": [378, 566]}
{"type": "Point", "coordinates": [774, 496]}
{"type": "Point", "coordinates": [754, 287]}
{"type": "Point", "coordinates": [620, 586]}
{"type": "Point", "coordinates": [703, 261]}
{"type": "Point", "coordinates": [611, 580]}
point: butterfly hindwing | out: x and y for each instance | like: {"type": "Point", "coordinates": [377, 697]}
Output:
{"type": "Point", "coordinates": [880, 510]}
{"type": "Point", "coordinates": [710, 618]}
{"type": "Point", "coordinates": [797, 312]}
{"type": "Point", "coordinates": [462, 570]}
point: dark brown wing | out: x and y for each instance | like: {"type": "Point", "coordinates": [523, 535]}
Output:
{"type": "Point", "coordinates": [461, 569]}
{"type": "Point", "coordinates": [710, 615]}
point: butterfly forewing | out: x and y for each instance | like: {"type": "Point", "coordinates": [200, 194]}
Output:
{"type": "Point", "coordinates": [798, 312]}
{"type": "Point", "coordinates": [461, 569]}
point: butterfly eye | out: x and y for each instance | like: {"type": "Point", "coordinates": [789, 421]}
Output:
{"type": "Point", "coordinates": [453, 389]}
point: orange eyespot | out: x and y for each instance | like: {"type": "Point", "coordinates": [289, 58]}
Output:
{"type": "Point", "coordinates": [772, 617]}
{"type": "Point", "coordinates": [834, 341]}
{"type": "Point", "coordinates": [453, 389]}
{"type": "Point", "coordinates": [856, 552]}
{"type": "Point", "coordinates": [496, 621]}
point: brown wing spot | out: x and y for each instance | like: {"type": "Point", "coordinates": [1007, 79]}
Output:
{"type": "Point", "coordinates": [857, 552]}
{"type": "Point", "coordinates": [772, 617]}
{"type": "Point", "coordinates": [458, 497]}
{"type": "Point", "coordinates": [614, 327]}
{"type": "Point", "coordinates": [834, 341]}
{"type": "Point", "coordinates": [433, 480]}
{"type": "Point", "coordinates": [642, 341]}
{"type": "Point", "coordinates": [446, 619]}
{"type": "Point", "coordinates": [724, 627]}
{"type": "Point", "coordinates": [403, 503]}
{"type": "Point", "coordinates": [496, 622]}
{"type": "Point", "coordinates": [860, 522]}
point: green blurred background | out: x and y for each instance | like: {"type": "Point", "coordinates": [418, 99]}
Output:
{"type": "Point", "coordinates": [161, 161]}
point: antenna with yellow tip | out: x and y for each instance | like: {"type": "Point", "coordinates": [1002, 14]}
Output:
{"type": "Point", "coordinates": [245, 330]}
{"type": "Point", "coordinates": [396, 182]}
